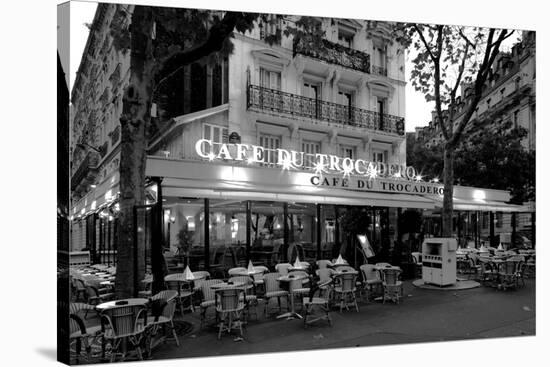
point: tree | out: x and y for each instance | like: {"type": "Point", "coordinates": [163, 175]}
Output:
{"type": "Point", "coordinates": [161, 41]}
{"type": "Point", "coordinates": [449, 57]}
{"type": "Point", "coordinates": [492, 157]}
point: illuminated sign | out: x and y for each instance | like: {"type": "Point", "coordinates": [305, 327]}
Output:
{"type": "Point", "coordinates": [379, 184]}
{"type": "Point", "coordinates": [291, 159]}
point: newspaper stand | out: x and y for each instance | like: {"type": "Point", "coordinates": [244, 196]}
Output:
{"type": "Point", "coordinates": [439, 261]}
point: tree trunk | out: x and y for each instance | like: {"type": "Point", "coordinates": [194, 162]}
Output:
{"type": "Point", "coordinates": [133, 121]}
{"type": "Point", "coordinates": [448, 178]}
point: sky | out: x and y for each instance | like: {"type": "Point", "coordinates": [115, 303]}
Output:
{"type": "Point", "coordinates": [417, 113]}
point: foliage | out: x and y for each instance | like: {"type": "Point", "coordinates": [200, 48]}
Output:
{"type": "Point", "coordinates": [185, 240]}
{"type": "Point", "coordinates": [355, 220]}
{"type": "Point", "coordinates": [410, 221]}
{"type": "Point", "coordinates": [492, 157]}
{"type": "Point", "coordinates": [448, 58]}
{"type": "Point", "coordinates": [428, 161]}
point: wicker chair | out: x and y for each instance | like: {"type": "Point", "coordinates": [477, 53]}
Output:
{"type": "Point", "coordinates": [123, 323]}
{"type": "Point", "coordinates": [371, 279]}
{"type": "Point", "coordinates": [229, 306]}
{"type": "Point", "coordinates": [345, 288]}
{"type": "Point", "coordinates": [282, 268]}
{"type": "Point", "coordinates": [164, 317]}
{"type": "Point", "coordinates": [185, 292]}
{"type": "Point", "coordinates": [94, 296]}
{"type": "Point", "coordinates": [79, 289]}
{"type": "Point", "coordinates": [273, 290]}
{"type": "Point", "coordinates": [508, 275]}
{"type": "Point", "coordinates": [393, 287]}
{"type": "Point", "coordinates": [488, 273]}
{"type": "Point", "coordinates": [320, 303]}
{"type": "Point", "coordinates": [80, 334]}
{"type": "Point", "coordinates": [250, 291]}
{"type": "Point", "coordinates": [208, 297]}
{"type": "Point", "coordinates": [322, 264]}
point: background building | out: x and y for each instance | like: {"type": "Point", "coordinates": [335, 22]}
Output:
{"type": "Point", "coordinates": [509, 96]}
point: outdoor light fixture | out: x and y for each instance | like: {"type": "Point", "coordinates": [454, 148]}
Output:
{"type": "Point", "coordinates": [372, 173]}
{"type": "Point", "coordinates": [166, 153]}
{"type": "Point", "coordinates": [319, 167]}
{"type": "Point", "coordinates": [287, 164]}
{"type": "Point", "coordinates": [436, 179]}
{"type": "Point", "coordinates": [250, 160]}
{"type": "Point", "coordinates": [93, 186]}
{"type": "Point", "coordinates": [418, 178]}
{"type": "Point", "coordinates": [211, 157]}
{"type": "Point", "coordinates": [172, 219]}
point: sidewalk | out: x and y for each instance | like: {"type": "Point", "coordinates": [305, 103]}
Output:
{"type": "Point", "coordinates": [423, 316]}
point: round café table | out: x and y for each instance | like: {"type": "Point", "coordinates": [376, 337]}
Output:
{"type": "Point", "coordinates": [295, 281]}
{"type": "Point", "coordinates": [126, 302]}
{"type": "Point", "coordinates": [226, 285]}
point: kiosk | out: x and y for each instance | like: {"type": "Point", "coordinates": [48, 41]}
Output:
{"type": "Point", "coordinates": [439, 261]}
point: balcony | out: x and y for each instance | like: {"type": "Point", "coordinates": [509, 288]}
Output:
{"type": "Point", "coordinates": [379, 70]}
{"type": "Point", "coordinates": [86, 171]}
{"type": "Point", "coordinates": [333, 53]}
{"type": "Point", "coordinates": [271, 100]}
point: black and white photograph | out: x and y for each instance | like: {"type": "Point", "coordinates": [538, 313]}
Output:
{"type": "Point", "coordinates": [240, 182]}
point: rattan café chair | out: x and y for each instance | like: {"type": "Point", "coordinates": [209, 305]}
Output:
{"type": "Point", "coordinates": [163, 307]}
{"type": "Point", "coordinates": [229, 305]}
{"type": "Point", "coordinates": [321, 304]}
{"type": "Point", "coordinates": [273, 290]}
{"type": "Point", "coordinates": [80, 334]}
{"type": "Point", "coordinates": [124, 323]}
{"type": "Point", "coordinates": [208, 297]}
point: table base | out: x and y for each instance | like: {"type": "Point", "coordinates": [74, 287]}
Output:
{"type": "Point", "coordinates": [290, 316]}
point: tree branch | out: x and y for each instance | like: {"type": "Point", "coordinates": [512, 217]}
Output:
{"type": "Point", "coordinates": [491, 52]}
{"type": "Point", "coordinates": [437, 82]}
{"type": "Point", "coordinates": [419, 31]}
{"type": "Point", "coordinates": [217, 35]}
{"type": "Point", "coordinates": [466, 38]}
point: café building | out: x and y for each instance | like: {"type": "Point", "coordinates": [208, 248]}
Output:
{"type": "Point", "coordinates": [271, 152]}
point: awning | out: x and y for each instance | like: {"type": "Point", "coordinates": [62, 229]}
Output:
{"type": "Point", "coordinates": [230, 191]}
{"type": "Point", "coordinates": [479, 204]}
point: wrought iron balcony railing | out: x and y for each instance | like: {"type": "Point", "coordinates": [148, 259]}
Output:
{"type": "Point", "coordinates": [379, 70]}
{"type": "Point", "coordinates": [272, 100]}
{"type": "Point", "coordinates": [334, 53]}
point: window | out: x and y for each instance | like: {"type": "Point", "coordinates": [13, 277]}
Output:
{"type": "Point", "coordinates": [345, 110]}
{"type": "Point", "coordinates": [270, 28]}
{"type": "Point", "coordinates": [270, 79]}
{"type": "Point", "coordinates": [271, 143]}
{"type": "Point", "coordinates": [310, 148]}
{"type": "Point", "coordinates": [516, 119]}
{"type": "Point", "coordinates": [312, 90]}
{"type": "Point", "coordinates": [380, 156]}
{"type": "Point", "coordinates": [345, 37]}
{"type": "Point", "coordinates": [217, 134]}
{"type": "Point", "coordinates": [347, 151]}
{"type": "Point", "coordinates": [381, 107]}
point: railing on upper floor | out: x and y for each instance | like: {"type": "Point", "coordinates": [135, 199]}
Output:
{"type": "Point", "coordinates": [334, 53]}
{"type": "Point", "coordinates": [379, 70]}
{"type": "Point", "coordinates": [272, 100]}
